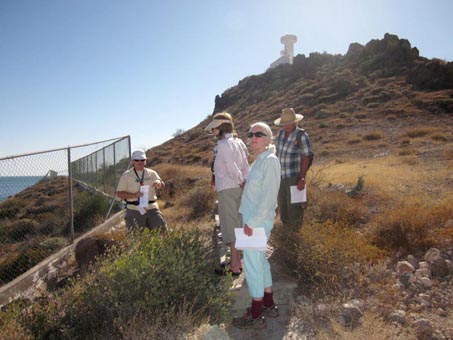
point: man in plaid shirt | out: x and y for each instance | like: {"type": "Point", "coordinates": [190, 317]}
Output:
{"type": "Point", "coordinates": [294, 151]}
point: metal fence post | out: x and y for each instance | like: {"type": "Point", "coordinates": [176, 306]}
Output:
{"type": "Point", "coordinates": [71, 205]}
{"type": "Point", "coordinates": [104, 176]}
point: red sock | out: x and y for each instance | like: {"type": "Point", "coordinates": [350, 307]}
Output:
{"type": "Point", "coordinates": [268, 299]}
{"type": "Point", "coordinates": [257, 306]}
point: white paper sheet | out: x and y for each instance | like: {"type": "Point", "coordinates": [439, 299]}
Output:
{"type": "Point", "coordinates": [144, 199]}
{"type": "Point", "coordinates": [298, 196]}
{"type": "Point", "coordinates": [258, 241]}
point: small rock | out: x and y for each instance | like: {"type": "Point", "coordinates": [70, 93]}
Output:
{"type": "Point", "coordinates": [426, 282]}
{"type": "Point", "coordinates": [358, 303]}
{"type": "Point", "coordinates": [449, 266]}
{"type": "Point", "coordinates": [406, 279]}
{"type": "Point", "coordinates": [423, 328]}
{"type": "Point", "coordinates": [398, 316]}
{"type": "Point", "coordinates": [419, 273]}
{"type": "Point", "coordinates": [432, 255]}
{"type": "Point", "coordinates": [440, 268]}
{"type": "Point", "coordinates": [350, 315]}
{"type": "Point", "coordinates": [404, 267]}
{"type": "Point", "coordinates": [322, 309]}
{"type": "Point", "coordinates": [412, 260]}
{"type": "Point", "coordinates": [424, 265]}
{"type": "Point", "coordinates": [442, 313]}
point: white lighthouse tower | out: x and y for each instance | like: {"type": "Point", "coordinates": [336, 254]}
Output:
{"type": "Point", "coordinates": [287, 54]}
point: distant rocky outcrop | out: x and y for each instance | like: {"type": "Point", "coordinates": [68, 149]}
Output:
{"type": "Point", "coordinates": [386, 76]}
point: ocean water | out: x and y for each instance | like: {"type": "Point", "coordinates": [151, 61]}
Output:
{"type": "Point", "coordinates": [11, 185]}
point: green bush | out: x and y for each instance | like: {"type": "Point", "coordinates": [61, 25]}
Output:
{"type": "Point", "coordinates": [17, 231]}
{"type": "Point", "coordinates": [10, 207]}
{"type": "Point", "coordinates": [17, 265]}
{"type": "Point", "coordinates": [153, 279]}
{"type": "Point", "coordinates": [89, 210]}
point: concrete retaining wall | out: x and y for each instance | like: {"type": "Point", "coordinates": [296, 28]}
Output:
{"type": "Point", "coordinates": [29, 282]}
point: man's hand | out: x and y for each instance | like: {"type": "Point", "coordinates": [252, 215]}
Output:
{"type": "Point", "coordinates": [301, 183]}
{"type": "Point", "coordinates": [247, 230]}
{"type": "Point", "coordinates": [158, 184]}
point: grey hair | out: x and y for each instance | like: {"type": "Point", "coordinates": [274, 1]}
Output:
{"type": "Point", "coordinates": [268, 132]}
{"type": "Point", "coordinates": [264, 127]}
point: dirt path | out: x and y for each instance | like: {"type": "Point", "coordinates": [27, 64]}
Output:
{"type": "Point", "coordinates": [284, 294]}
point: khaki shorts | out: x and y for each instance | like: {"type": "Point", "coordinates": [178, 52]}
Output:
{"type": "Point", "coordinates": [152, 219]}
{"type": "Point", "coordinates": [229, 216]}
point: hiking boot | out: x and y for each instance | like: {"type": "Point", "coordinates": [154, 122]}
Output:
{"type": "Point", "coordinates": [268, 312]}
{"type": "Point", "coordinates": [271, 312]}
{"type": "Point", "coordinates": [248, 322]}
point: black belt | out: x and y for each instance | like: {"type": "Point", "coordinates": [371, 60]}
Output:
{"type": "Point", "coordinates": [137, 202]}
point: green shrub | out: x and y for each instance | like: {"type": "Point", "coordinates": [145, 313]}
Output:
{"type": "Point", "coordinates": [10, 207]}
{"type": "Point", "coordinates": [15, 266]}
{"type": "Point", "coordinates": [89, 210]}
{"type": "Point", "coordinates": [10, 327]}
{"type": "Point", "coordinates": [357, 190]}
{"type": "Point", "coordinates": [17, 231]}
{"type": "Point", "coordinates": [154, 279]}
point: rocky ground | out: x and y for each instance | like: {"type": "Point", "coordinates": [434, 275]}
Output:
{"type": "Point", "coordinates": [413, 296]}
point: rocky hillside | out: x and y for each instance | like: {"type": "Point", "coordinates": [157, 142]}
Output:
{"type": "Point", "coordinates": [375, 92]}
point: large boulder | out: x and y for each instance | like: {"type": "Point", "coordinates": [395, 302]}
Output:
{"type": "Point", "coordinates": [89, 249]}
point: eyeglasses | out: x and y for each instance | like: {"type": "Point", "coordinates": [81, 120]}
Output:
{"type": "Point", "coordinates": [139, 160]}
{"type": "Point", "coordinates": [257, 134]}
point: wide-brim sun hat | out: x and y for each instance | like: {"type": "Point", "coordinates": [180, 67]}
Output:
{"type": "Point", "coordinates": [219, 119]}
{"type": "Point", "coordinates": [288, 116]}
{"type": "Point", "coordinates": [216, 123]}
{"type": "Point", "coordinates": [138, 155]}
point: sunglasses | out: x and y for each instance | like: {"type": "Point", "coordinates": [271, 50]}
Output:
{"type": "Point", "coordinates": [257, 134]}
{"type": "Point", "coordinates": [139, 160]}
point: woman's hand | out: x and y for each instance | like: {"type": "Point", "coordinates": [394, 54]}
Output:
{"type": "Point", "coordinates": [247, 230]}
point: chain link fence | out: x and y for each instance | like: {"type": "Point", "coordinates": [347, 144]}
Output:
{"type": "Point", "coordinates": [49, 198]}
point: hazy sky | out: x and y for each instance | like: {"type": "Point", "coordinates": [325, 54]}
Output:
{"type": "Point", "coordinates": [80, 71]}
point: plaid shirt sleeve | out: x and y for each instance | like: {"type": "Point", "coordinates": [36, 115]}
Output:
{"type": "Point", "coordinates": [290, 153]}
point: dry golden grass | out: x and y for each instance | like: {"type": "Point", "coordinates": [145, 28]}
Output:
{"type": "Point", "coordinates": [371, 328]}
{"type": "Point", "coordinates": [175, 171]}
{"type": "Point", "coordinates": [391, 178]}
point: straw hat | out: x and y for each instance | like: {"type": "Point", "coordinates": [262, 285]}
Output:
{"type": "Point", "coordinates": [288, 116]}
